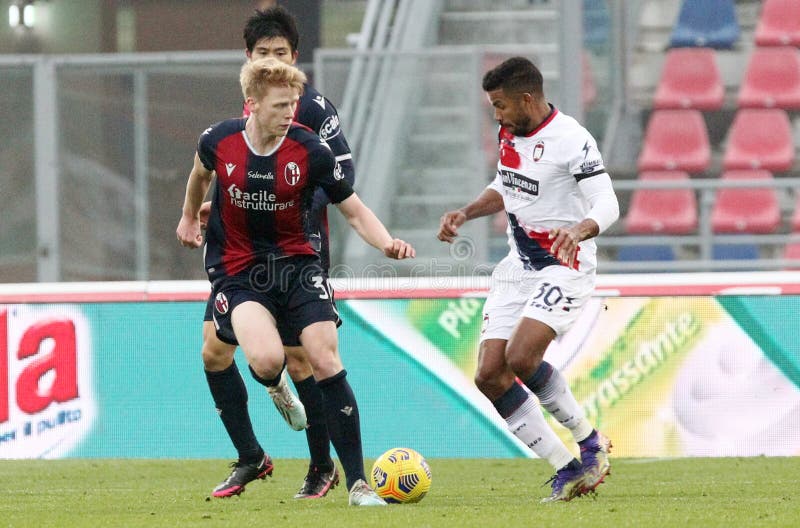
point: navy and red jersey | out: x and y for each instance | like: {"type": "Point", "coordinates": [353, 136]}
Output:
{"type": "Point", "coordinates": [318, 114]}
{"type": "Point", "coordinates": [261, 205]}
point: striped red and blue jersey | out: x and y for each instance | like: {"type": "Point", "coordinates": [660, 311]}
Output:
{"type": "Point", "coordinates": [261, 205]}
{"type": "Point", "coordinates": [318, 113]}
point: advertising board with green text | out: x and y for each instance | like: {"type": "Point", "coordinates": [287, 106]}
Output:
{"type": "Point", "coordinates": [662, 376]}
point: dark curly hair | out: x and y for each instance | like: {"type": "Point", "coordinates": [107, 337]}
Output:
{"type": "Point", "coordinates": [515, 75]}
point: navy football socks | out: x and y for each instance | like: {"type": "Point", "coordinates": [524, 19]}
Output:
{"type": "Point", "coordinates": [230, 398]}
{"type": "Point", "coordinates": [319, 446]}
{"type": "Point", "coordinates": [344, 426]}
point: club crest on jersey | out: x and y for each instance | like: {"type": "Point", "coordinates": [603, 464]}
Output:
{"type": "Point", "coordinates": [292, 173]}
{"type": "Point", "coordinates": [538, 151]}
{"type": "Point", "coordinates": [221, 303]}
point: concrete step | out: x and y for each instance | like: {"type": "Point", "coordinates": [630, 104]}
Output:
{"type": "Point", "coordinates": [422, 209]}
{"type": "Point", "coordinates": [499, 27]}
{"type": "Point", "coordinates": [439, 150]}
{"type": "Point", "coordinates": [436, 181]}
{"type": "Point", "coordinates": [488, 5]}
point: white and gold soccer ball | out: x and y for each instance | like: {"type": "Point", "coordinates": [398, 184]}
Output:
{"type": "Point", "coordinates": [401, 475]}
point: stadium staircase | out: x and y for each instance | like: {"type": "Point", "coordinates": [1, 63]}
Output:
{"type": "Point", "coordinates": [412, 161]}
{"type": "Point", "coordinates": [430, 170]}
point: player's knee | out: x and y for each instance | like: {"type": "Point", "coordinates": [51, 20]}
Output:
{"type": "Point", "coordinates": [325, 361]}
{"type": "Point", "coordinates": [266, 367]}
{"type": "Point", "coordinates": [523, 362]}
{"type": "Point", "coordinates": [489, 382]}
{"type": "Point", "coordinates": [297, 364]}
{"type": "Point", "coordinates": [483, 382]}
{"type": "Point", "coordinates": [217, 355]}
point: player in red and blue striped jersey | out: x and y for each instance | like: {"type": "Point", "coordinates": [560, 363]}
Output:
{"type": "Point", "coordinates": [273, 33]}
{"type": "Point", "coordinates": [268, 285]}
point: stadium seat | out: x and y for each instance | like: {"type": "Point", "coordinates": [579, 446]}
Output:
{"type": "Point", "coordinates": [668, 211]}
{"type": "Point", "coordinates": [772, 79]}
{"type": "Point", "coordinates": [746, 209]}
{"type": "Point", "coordinates": [596, 23]}
{"type": "Point", "coordinates": [759, 139]}
{"type": "Point", "coordinates": [796, 216]}
{"type": "Point", "coordinates": [645, 253]}
{"type": "Point", "coordinates": [792, 252]}
{"type": "Point", "coordinates": [675, 140]}
{"type": "Point", "coordinates": [734, 252]}
{"type": "Point", "coordinates": [690, 79]}
{"type": "Point", "coordinates": [779, 23]}
{"type": "Point", "coordinates": [706, 23]}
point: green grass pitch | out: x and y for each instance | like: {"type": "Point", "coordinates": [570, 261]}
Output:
{"type": "Point", "coordinates": [724, 492]}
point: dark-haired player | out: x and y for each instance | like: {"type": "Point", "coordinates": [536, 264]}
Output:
{"type": "Point", "coordinates": [557, 196]}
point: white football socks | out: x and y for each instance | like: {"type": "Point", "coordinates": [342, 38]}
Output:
{"type": "Point", "coordinates": [559, 401]}
{"type": "Point", "coordinates": [528, 424]}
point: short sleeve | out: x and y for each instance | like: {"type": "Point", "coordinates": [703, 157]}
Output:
{"type": "Point", "coordinates": [327, 173]}
{"type": "Point", "coordinates": [206, 150]}
{"type": "Point", "coordinates": [496, 184]}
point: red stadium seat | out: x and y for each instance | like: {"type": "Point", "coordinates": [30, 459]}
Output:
{"type": "Point", "coordinates": [772, 79]}
{"type": "Point", "coordinates": [668, 211]}
{"type": "Point", "coordinates": [746, 209]}
{"type": "Point", "coordinates": [760, 139]}
{"type": "Point", "coordinates": [792, 252]}
{"type": "Point", "coordinates": [690, 79]}
{"type": "Point", "coordinates": [675, 140]}
{"type": "Point", "coordinates": [779, 23]}
{"type": "Point", "coordinates": [796, 216]}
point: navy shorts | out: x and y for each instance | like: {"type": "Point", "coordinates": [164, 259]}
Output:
{"type": "Point", "coordinates": [295, 290]}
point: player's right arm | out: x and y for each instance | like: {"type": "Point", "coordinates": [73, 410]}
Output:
{"type": "Point", "coordinates": [487, 203]}
{"type": "Point", "coordinates": [188, 231]}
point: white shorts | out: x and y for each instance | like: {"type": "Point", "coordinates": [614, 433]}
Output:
{"type": "Point", "coordinates": [553, 295]}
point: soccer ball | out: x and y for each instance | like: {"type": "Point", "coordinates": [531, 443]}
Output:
{"type": "Point", "coordinates": [401, 475]}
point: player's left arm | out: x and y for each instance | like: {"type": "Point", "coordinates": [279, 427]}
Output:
{"type": "Point", "coordinates": [604, 211]}
{"type": "Point", "coordinates": [327, 173]}
{"type": "Point", "coordinates": [371, 229]}
{"type": "Point", "coordinates": [595, 185]}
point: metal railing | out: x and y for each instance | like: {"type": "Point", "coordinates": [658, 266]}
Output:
{"type": "Point", "coordinates": [702, 242]}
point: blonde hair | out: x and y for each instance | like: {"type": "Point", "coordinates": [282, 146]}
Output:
{"type": "Point", "coordinates": [259, 75]}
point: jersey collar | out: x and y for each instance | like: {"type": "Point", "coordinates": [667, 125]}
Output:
{"type": "Point", "coordinates": [550, 117]}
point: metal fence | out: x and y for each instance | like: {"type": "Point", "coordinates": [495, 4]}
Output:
{"type": "Point", "coordinates": [96, 151]}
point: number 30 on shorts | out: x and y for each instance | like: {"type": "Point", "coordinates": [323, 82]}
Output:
{"type": "Point", "coordinates": [548, 296]}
